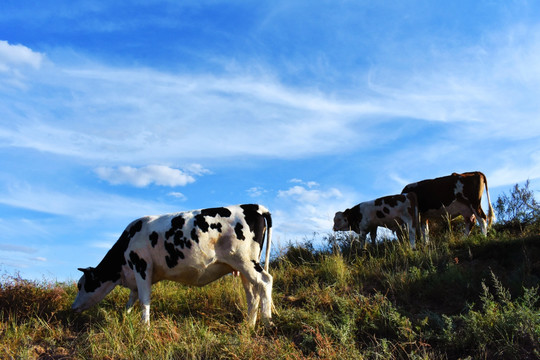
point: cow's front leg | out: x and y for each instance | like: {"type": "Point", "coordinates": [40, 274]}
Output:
{"type": "Point", "coordinates": [133, 296]}
{"type": "Point", "coordinates": [362, 237]}
{"type": "Point", "coordinates": [373, 235]}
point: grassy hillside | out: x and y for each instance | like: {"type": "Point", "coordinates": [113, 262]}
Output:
{"type": "Point", "coordinates": [454, 298]}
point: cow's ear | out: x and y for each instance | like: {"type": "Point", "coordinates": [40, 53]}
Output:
{"type": "Point", "coordinates": [85, 270]}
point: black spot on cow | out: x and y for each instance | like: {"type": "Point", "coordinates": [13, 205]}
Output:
{"type": "Point", "coordinates": [380, 214]}
{"type": "Point", "coordinates": [139, 264]}
{"type": "Point", "coordinates": [252, 216]}
{"type": "Point", "coordinates": [109, 269]}
{"type": "Point", "coordinates": [413, 206]}
{"type": "Point", "coordinates": [135, 228]}
{"type": "Point", "coordinates": [154, 238]}
{"type": "Point", "coordinates": [216, 226]}
{"type": "Point", "coordinates": [174, 255]}
{"type": "Point", "coordinates": [213, 212]}
{"type": "Point", "coordinates": [354, 217]}
{"type": "Point", "coordinates": [391, 200]}
{"type": "Point", "coordinates": [386, 210]}
{"type": "Point", "coordinates": [194, 235]}
{"type": "Point", "coordinates": [179, 242]}
{"type": "Point", "coordinates": [238, 231]}
{"type": "Point", "coordinates": [177, 223]}
{"type": "Point", "coordinates": [179, 238]}
{"type": "Point", "coordinates": [255, 221]}
{"type": "Point", "coordinates": [91, 281]}
{"type": "Point", "coordinates": [258, 267]}
{"type": "Point", "coordinates": [200, 222]}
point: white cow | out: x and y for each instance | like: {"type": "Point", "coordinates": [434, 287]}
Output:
{"type": "Point", "coordinates": [194, 248]}
{"type": "Point", "coordinates": [392, 212]}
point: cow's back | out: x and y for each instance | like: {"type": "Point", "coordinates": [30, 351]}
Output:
{"type": "Point", "coordinates": [433, 193]}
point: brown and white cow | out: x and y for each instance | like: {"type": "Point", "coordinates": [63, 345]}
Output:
{"type": "Point", "coordinates": [394, 212]}
{"type": "Point", "coordinates": [453, 195]}
{"type": "Point", "coordinates": [194, 248]}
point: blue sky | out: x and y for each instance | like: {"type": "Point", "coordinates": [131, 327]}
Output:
{"type": "Point", "coordinates": [114, 110]}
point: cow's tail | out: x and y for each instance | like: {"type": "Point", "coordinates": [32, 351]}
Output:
{"type": "Point", "coordinates": [491, 213]}
{"type": "Point", "coordinates": [268, 217]}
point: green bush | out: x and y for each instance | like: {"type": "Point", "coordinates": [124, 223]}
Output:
{"type": "Point", "coordinates": [502, 328]}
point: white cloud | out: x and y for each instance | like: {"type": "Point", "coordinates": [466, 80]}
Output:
{"type": "Point", "coordinates": [144, 176]}
{"type": "Point", "coordinates": [303, 210]}
{"type": "Point", "coordinates": [309, 184]}
{"type": "Point", "coordinates": [178, 195]}
{"type": "Point", "coordinates": [308, 195]}
{"type": "Point", "coordinates": [39, 258]}
{"type": "Point", "coordinates": [16, 55]}
{"type": "Point", "coordinates": [510, 174]}
{"type": "Point", "coordinates": [256, 192]}
{"type": "Point", "coordinates": [197, 169]}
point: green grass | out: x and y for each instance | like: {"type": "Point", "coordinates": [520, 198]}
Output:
{"type": "Point", "coordinates": [456, 297]}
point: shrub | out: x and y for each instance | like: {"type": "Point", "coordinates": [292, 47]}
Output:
{"type": "Point", "coordinates": [517, 210]}
{"type": "Point", "coordinates": [23, 299]}
{"type": "Point", "coordinates": [502, 328]}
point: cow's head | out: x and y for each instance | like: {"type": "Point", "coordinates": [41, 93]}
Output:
{"type": "Point", "coordinates": [91, 289]}
{"type": "Point", "coordinates": [340, 222]}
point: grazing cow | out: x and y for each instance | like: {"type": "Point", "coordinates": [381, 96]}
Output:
{"type": "Point", "coordinates": [194, 248]}
{"type": "Point", "coordinates": [393, 212]}
{"type": "Point", "coordinates": [452, 195]}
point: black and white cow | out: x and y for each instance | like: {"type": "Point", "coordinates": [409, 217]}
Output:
{"type": "Point", "coordinates": [194, 248]}
{"type": "Point", "coordinates": [394, 212]}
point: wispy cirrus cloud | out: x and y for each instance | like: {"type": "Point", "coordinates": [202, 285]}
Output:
{"type": "Point", "coordinates": [78, 205]}
{"type": "Point", "coordinates": [17, 248]}
{"type": "Point", "coordinates": [124, 114]}
{"type": "Point", "coordinates": [138, 115]}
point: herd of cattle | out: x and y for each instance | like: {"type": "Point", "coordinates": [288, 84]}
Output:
{"type": "Point", "coordinates": [200, 246]}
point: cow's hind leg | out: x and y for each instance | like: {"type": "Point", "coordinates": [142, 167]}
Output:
{"type": "Point", "coordinates": [252, 298]}
{"type": "Point", "coordinates": [469, 217]}
{"type": "Point", "coordinates": [425, 231]}
{"type": "Point", "coordinates": [258, 289]}
{"type": "Point", "coordinates": [406, 231]}
{"type": "Point", "coordinates": [144, 285]}
{"type": "Point", "coordinates": [133, 296]}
